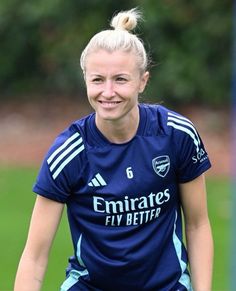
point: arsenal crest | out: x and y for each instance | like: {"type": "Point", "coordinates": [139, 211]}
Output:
{"type": "Point", "coordinates": [161, 165]}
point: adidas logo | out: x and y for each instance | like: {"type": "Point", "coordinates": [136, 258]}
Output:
{"type": "Point", "coordinates": [97, 181]}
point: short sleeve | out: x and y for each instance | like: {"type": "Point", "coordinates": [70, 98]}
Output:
{"type": "Point", "coordinates": [60, 167]}
{"type": "Point", "coordinates": [192, 158]}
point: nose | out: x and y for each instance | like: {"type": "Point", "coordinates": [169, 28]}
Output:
{"type": "Point", "coordinates": [108, 90]}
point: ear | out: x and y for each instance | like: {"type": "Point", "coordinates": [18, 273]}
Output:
{"type": "Point", "coordinates": [143, 81]}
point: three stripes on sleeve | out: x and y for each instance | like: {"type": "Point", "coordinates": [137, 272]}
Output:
{"type": "Point", "coordinates": [64, 154]}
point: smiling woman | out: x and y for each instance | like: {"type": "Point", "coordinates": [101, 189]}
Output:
{"type": "Point", "coordinates": [113, 85]}
{"type": "Point", "coordinates": [125, 173]}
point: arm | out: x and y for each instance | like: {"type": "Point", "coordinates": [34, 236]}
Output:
{"type": "Point", "coordinates": [198, 233]}
{"type": "Point", "coordinates": [44, 223]}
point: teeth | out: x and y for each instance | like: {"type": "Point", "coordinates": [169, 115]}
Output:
{"type": "Point", "coordinates": [110, 103]}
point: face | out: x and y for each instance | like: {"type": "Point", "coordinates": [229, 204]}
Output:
{"type": "Point", "coordinates": [113, 84]}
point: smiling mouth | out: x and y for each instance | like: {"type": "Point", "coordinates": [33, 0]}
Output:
{"type": "Point", "coordinates": [109, 102]}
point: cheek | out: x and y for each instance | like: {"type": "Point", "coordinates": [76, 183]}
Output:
{"type": "Point", "coordinates": [90, 97]}
{"type": "Point", "coordinates": [91, 101]}
{"type": "Point", "coordinates": [91, 92]}
{"type": "Point", "coordinates": [136, 91]}
{"type": "Point", "coordinates": [130, 90]}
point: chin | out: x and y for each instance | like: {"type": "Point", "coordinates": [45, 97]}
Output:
{"type": "Point", "coordinates": [109, 118]}
{"type": "Point", "coordinates": [108, 115]}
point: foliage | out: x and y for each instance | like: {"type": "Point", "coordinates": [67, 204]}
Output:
{"type": "Point", "coordinates": [191, 46]}
{"type": "Point", "coordinates": [189, 41]}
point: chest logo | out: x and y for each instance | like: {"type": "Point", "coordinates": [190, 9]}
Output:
{"type": "Point", "coordinates": [97, 181]}
{"type": "Point", "coordinates": [161, 165]}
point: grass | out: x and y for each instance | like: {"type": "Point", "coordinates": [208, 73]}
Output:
{"type": "Point", "coordinates": [219, 205]}
{"type": "Point", "coordinates": [16, 202]}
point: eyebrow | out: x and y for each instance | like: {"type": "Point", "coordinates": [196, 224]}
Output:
{"type": "Point", "coordinates": [117, 75]}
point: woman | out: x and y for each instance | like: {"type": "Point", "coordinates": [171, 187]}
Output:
{"type": "Point", "coordinates": [124, 172]}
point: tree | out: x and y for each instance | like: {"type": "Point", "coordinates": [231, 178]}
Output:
{"type": "Point", "coordinates": [189, 42]}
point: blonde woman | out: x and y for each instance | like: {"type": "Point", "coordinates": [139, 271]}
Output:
{"type": "Point", "coordinates": [124, 172]}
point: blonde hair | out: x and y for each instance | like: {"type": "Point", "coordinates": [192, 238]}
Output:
{"type": "Point", "coordinates": [119, 38]}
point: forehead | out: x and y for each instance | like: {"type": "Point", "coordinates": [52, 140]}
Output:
{"type": "Point", "coordinates": [104, 61]}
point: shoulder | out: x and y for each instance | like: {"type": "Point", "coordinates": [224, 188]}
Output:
{"type": "Point", "coordinates": [68, 146]}
{"type": "Point", "coordinates": [172, 124]}
{"type": "Point", "coordinates": [183, 128]}
{"type": "Point", "coordinates": [163, 113]}
{"type": "Point", "coordinates": [71, 136]}
{"type": "Point", "coordinates": [168, 121]}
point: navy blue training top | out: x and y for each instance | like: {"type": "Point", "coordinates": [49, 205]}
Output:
{"type": "Point", "coordinates": [123, 201]}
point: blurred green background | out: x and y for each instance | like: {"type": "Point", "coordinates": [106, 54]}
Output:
{"type": "Point", "coordinates": [42, 91]}
{"type": "Point", "coordinates": [189, 42]}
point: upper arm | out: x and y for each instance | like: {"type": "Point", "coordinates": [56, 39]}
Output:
{"type": "Point", "coordinates": [43, 226]}
{"type": "Point", "coordinates": [194, 202]}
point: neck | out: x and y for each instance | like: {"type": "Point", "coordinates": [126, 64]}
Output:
{"type": "Point", "coordinates": [120, 131]}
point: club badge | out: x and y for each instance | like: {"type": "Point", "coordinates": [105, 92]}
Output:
{"type": "Point", "coordinates": [161, 165]}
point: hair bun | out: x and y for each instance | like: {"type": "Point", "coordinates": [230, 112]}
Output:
{"type": "Point", "coordinates": [126, 20]}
